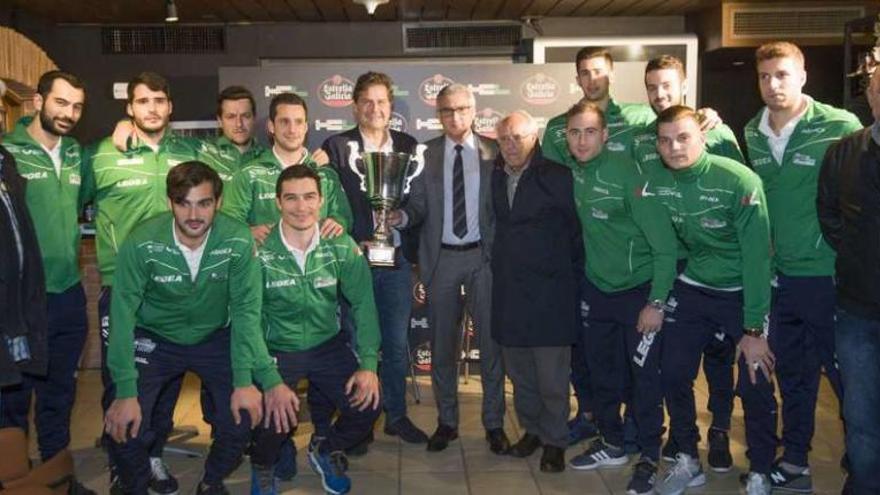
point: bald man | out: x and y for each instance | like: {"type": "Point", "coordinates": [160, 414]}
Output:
{"type": "Point", "coordinates": [537, 263]}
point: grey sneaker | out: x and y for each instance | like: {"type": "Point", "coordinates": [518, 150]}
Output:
{"type": "Point", "coordinates": [757, 484]}
{"type": "Point", "coordinates": [599, 455]}
{"type": "Point", "coordinates": [687, 472]}
{"type": "Point", "coordinates": [782, 479]}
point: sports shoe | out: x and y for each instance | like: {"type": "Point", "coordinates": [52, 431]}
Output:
{"type": "Point", "coordinates": [206, 489]}
{"type": "Point", "coordinates": [784, 479]}
{"type": "Point", "coordinates": [285, 467]}
{"type": "Point", "coordinates": [757, 484]}
{"type": "Point", "coordinates": [263, 481]}
{"type": "Point", "coordinates": [685, 473]}
{"type": "Point", "coordinates": [599, 455]}
{"type": "Point", "coordinates": [406, 430]}
{"type": "Point", "coordinates": [720, 459]}
{"type": "Point", "coordinates": [329, 468]}
{"type": "Point", "coordinates": [161, 481]}
{"type": "Point", "coordinates": [670, 450]}
{"type": "Point", "coordinates": [315, 442]}
{"type": "Point", "coordinates": [580, 428]}
{"type": "Point", "coordinates": [643, 477]}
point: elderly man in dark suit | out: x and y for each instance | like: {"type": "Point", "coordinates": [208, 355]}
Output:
{"type": "Point", "coordinates": [537, 261]}
{"type": "Point", "coordinates": [451, 202]}
{"type": "Point", "coordinates": [373, 99]}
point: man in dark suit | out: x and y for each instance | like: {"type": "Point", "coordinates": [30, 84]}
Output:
{"type": "Point", "coordinates": [537, 261]}
{"type": "Point", "coordinates": [373, 98]}
{"type": "Point", "coordinates": [451, 202]}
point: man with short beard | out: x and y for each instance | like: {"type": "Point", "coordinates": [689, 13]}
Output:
{"type": "Point", "coordinates": [594, 73]}
{"type": "Point", "coordinates": [630, 250]}
{"type": "Point", "coordinates": [236, 145]}
{"type": "Point", "coordinates": [51, 162]}
{"type": "Point", "coordinates": [128, 187]}
{"type": "Point", "coordinates": [191, 257]}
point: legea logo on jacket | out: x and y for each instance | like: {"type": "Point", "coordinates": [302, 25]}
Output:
{"type": "Point", "coordinates": [802, 159]}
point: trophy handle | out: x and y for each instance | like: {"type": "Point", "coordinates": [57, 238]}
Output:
{"type": "Point", "coordinates": [419, 158]}
{"type": "Point", "coordinates": [353, 155]}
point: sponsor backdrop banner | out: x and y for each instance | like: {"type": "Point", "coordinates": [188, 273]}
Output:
{"type": "Point", "coordinates": [542, 90]}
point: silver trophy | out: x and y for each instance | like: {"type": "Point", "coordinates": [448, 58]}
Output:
{"type": "Point", "coordinates": [385, 178]}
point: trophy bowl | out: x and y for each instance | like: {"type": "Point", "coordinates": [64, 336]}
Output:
{"type": "Point", "coordinates": [385, 178]}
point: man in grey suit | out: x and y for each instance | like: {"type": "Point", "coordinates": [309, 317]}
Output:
{"type": "Point", "coordinates": [452, 204]}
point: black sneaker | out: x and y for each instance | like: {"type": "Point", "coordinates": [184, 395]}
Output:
{"type": "Point", "coordinates": [205, 489]}
{"type": "Point", "coordinates": [670, 450]}
{"type": "Point", "coordinates": [784, 481]}
{"type": "Point", "coordinates": [406, 430]}
{"type": "Point", "coordinates": [161, 481]}
{"type": "Point", "coordinates": [361, 448]}
{"type": "Point", "coordinates": [115, 482]}
{"type": "Point", "coordinates": [720, 459]}
{"type": "Point", "coordinates": [642, 481]}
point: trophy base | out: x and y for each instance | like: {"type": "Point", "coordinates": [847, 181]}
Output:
{"type": "Point", "coordinates": [380, 254]}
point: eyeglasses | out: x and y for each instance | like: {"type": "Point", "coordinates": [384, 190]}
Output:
{"type": "Point", "coordinates": [514, 138]}
{"type": "Point", "coordinates": [449, 112]}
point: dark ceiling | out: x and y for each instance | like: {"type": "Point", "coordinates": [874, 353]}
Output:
{"type": "Point", "coordinates": [237, 11]}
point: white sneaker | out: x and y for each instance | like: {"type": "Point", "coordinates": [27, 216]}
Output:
{"type": "Point", "coordinates": [687, 472]}
{"type": "Point", "coordinates": [757, 484]}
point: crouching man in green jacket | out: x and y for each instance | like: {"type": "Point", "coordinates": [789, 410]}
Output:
{"type": "Point", "coordinates": [303, 277]}
{"type": "Point", "coordinates": [187, 297]}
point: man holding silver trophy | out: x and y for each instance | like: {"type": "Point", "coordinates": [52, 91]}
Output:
{"type": "Point", "coordinates": [374, 164]}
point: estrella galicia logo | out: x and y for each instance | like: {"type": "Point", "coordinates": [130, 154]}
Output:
{"type": "Point", "coordinates": [540, 89]}
{"type": "Point", "coordinates": [336, 91]}
{"type": "Point", "coordinates": [420, 294]}
{"type": "Point", "coordinates": [429, 88]}
{"type": "Point", "coordinates": [485, 121]}
{"type": "Point", "coordinates": [422, 356]}
{"type": "Point", "coordinates": [397, 122]}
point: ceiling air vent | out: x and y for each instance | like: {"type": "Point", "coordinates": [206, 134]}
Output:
{"type": "Point", "coordinates": [141, 40]}
{"type": "Point", "coordinates": [750, 22]}
{"type": "Point", "coordinates": [482, 37]}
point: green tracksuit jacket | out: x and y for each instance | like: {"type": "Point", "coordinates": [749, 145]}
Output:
{"type": "Point", "coordinates": [718, 209]}
{"type": "Point", "coordinates": [153, 290]}
{"type": "Point", "coordinates": [628, 237]}
{"type": "Point", "coordinates": [223, 155]}
{"type": "Point", "coordinates": [299, 306]}
{"type": "Point", "coordinates": [127, 188]}
{"type": "Point", "coordinates": [251, 195]}
{"type": "Point", "coordinates": [53, 202]}
{"type": "Point", "coordinates": [798, 246]}
{"type": "Point", "coordinates": [623, 121]}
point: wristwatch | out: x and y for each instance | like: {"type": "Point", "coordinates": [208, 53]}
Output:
{"type": "Point", "coordinates": [657, 304]}
{"type": "Point", "coordinates": [754, 332]}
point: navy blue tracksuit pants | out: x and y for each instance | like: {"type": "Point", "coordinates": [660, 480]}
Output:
{"type": "Point", "coordinates": [163, 421]}
{"type": "Point", "coordinates": [802, 338]}
{"type": "Point", "coordinates": [718, 358]}
{"type": "Point", "coordinates": [622, 361]}
{"type": "Point", "coordinates": [327, 367]}
{"type": "Point", "coordinates": [693, 316]}
{"type": "Point", "coordinates": [56, 392]}
{"type": "Point", "coordinates": [160, 363]}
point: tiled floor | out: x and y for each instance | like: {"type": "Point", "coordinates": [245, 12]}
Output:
{"type": "Point", "coordinates": [466, 467]}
